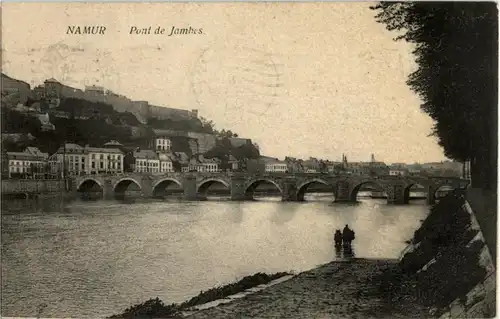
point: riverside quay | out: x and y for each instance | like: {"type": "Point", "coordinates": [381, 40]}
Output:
{"type": "Point", "coordinates": [242, 186]}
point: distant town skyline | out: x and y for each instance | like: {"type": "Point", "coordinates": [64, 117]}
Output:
{"type": "Point", "coordinates": [299, 79]}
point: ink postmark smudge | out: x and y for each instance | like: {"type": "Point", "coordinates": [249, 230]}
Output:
{"type": "Point", "coordinates": [243, 81]}
{"type": "Point", "coordinates": [56, 61]}
{"type": "Point", "coordinates": [72, 64]}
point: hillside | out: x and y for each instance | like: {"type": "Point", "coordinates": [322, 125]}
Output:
{"type": "Point", "coordinates": [83, 121]}
{"type": "Point", "coordinates": [14, 91]}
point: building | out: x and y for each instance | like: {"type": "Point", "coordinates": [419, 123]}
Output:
{"type": "Point", "coordinates": [311, 165]}
{"type": "Point", "coordinates": [357, 168]}
{"type": "Point", "coordinates": [39, 92]}
{"type": "Point", "coordinates": [146, 161]}
{"type": "Point", "coordinates": [166, 162]}
{"type": "Point", "coordinates": [74, 159]}
{"type": "Point", "coordinates": [182, 161]}
{"type": "Point", "coordinates": [31, 163]}
{"type": "Point", "coordinates": [378, 168]}
{"type": "Point", "coordinates": [397, 171]}
{"type": "Point", "coordinates": [163, 144]}
{"type": "Point", "coordinates": [176, 140]}
{"type": "Point", "coordinates": [398, 165]}
{"type": "Point", "coordinates": [203, 165]}
{"type": "Point", "coordinates": [294, 165]}
{"type": "Point", "coordinates": [234, 164]}
{"type": "Point", "coordinates": [276, 166]}
{"type": "Point", "coordinates": [52, 88]}
{"type": "Point", "coordinates": [334, 167]}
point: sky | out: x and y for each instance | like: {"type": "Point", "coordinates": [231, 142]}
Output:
{"type": "Point", "coordinates": [299, 79]}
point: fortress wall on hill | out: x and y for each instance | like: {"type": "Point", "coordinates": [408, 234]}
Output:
{"type": "Point", "coordinates": [141, 109]}
{"type": "Point", "coordinates": [163, 113]}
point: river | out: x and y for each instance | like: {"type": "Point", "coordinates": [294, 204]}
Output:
{"type": "Point", "coordinates": [94, 259]}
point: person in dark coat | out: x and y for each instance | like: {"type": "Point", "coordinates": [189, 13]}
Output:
{"type": "Point", "coordinates": [347, 235]}
{"type": "Point", "coordinates": [338, 238]}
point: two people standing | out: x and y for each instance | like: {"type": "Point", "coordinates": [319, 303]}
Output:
{"type": "Point", "coordinates": [345, 237]}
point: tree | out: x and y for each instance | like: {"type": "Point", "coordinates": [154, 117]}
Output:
{"type": "Point", "coordinates": [456, 46]}
{"type": "Point", "coordinates": [208, 126]}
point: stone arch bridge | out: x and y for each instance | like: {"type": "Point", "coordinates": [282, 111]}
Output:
{"type": "Point", "coordinates": [292, 187]}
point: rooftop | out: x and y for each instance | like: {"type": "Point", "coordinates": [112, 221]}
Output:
{"type": "Point", "coordinates": [146, 154]}
{"type": "Point", "coordinates": [113, 143]}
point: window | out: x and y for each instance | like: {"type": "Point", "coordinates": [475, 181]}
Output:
{"type": "Point", "coordinates": [93, 164]}
{"type": "Point", "coordinates": [101, 157]}
{"type": "Point", "coordinates": [93, 156]}
{"type": "Point", "coordinates": [101, 165]}
{"type": "Point", "coordinates": [83, 166]}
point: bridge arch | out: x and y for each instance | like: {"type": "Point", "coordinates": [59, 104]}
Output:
{"type": "Point", "coordinates": [122, 184]}
{"type": "Point", "coordinates": [204, 185]}
{"type": "Point", "coordinates": [353, 194]}
{"type": "Point", "coordinates": [442, 189]}
{"type": "Point", "coordinates": [302, 188]}
{"type": "Point", "coordinates": [253, 184]}
{"type": "Point", "coordinates": [411, 183]}
{"type": "Point", "coordinates": [88, 183]}
{"type": "Point", "coordinates": [162, 184]}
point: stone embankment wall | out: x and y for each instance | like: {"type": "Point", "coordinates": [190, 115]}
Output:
{"type": "Point", "coordinates": [484, 205]}
{"type": "Point", "coordinates": [31, 186]}
{"type": "Point", "coordinates": [451, 262]}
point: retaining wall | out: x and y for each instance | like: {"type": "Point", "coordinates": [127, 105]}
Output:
{"type": "Point", "coordinates": [480, 301]}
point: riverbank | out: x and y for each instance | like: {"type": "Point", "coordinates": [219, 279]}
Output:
{"type": "Point", "coordinates": [351, 288]}
{"type": "Point", "coordinates": [346, 289]}
{"type": "Point", "coordinates": [155, 308]}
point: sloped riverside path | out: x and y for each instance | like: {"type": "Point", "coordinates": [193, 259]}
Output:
{"type": "Point", "coordinates": [340, 289]}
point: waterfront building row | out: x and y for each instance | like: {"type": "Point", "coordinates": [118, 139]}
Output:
{"type": "Point", "coordinates": [29, 162]}
{"type": "Point", "coordinates": [73, 159]}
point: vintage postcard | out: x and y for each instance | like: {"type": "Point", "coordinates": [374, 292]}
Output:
{"type": "Point", "coordinates": [249, 160]}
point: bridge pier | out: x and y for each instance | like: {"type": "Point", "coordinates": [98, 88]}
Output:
{"type": "Point", "coordinates": [147, 187]}
{"type": "Point", "coordinates": [238, 189]}
{"type": "Point", "coordinates": [108, 193]}
{"type": "Point", "coordinates": [396, 195]}
{"type": "Point", "coordinates": [289, 191]}
{"type": "Point", "coordinates": [342, 192]}
{"type": "Point", "coordinates": [431, 196]}
{"type": "Point", "coordinates": [190, 189]}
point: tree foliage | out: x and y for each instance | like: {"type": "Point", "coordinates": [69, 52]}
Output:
{"type": "Point", "coordinates": [223, 148]}
{"type": "Point", "coordinates": [456, 46]}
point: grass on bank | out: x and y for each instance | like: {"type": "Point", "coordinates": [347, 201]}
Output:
{"type": "Point", "coordinates": [155, 308]}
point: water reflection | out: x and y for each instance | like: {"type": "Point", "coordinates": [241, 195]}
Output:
{"type": "Point", "coordinates": [95, 258]}
{"type": "Point", "coordinates": [344, 251]}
